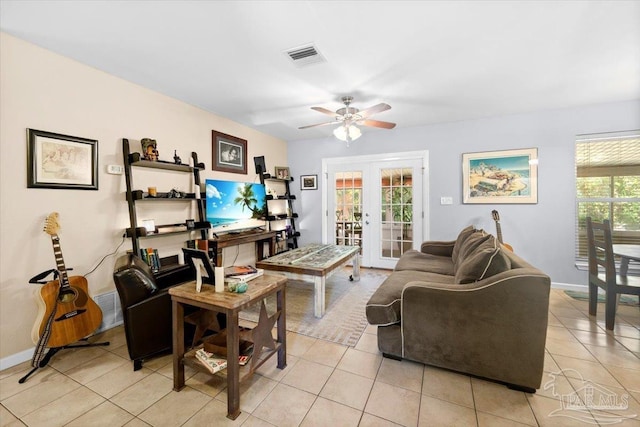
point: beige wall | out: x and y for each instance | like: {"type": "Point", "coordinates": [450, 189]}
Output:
{"type": "Point", "coordinates": [42, 90]}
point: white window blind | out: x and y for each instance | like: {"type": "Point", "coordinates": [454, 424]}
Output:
{"type": "Point", "coordinates": [608, 186]}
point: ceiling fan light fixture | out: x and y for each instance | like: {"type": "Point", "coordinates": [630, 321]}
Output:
{"type": "Point", "coordinates": [347, 133]}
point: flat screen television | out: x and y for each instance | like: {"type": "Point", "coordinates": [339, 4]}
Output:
{"type": "Point", "coordinates": [234, 206]}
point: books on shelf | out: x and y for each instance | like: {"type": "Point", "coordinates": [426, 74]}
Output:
{"type": "Point", "coordinates": [212, 362]}
{"type": "Point", "coordinates": [151, 257]}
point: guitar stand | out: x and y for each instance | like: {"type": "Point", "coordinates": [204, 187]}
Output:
{"type": "Point", "coordinates": [52, 351]}
{"type": "Point", "coordinates": [38, 279]}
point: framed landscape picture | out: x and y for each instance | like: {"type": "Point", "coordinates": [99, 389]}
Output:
{"type": "Point", "coordinates": [229, 153]}
{"type": "Point", "coordinates": [61, 161]}
{"type": "Point", "coordinates": [509, 176]}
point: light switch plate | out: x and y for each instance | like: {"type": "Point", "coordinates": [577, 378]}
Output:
{"type": "Point", "coordinates": [115, 169]}
{"type": "Point", "coordinates": [446, 200]}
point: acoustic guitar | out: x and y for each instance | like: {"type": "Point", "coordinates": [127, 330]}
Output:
{"type": "Point", "coordinates": [496, 218]}
{"type": "Point", "coordinates": [66, 312]}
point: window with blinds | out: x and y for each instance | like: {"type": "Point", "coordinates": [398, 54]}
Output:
{"type": "Point", "coordinates": [608, 186]}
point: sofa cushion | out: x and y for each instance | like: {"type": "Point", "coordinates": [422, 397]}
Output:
{"type": "Point", "coordinates": [486, 260]}
{"type": "Point", "coordinates": [383, 308]}
{"type": "Point", "coordinates": [470, 245]}
{"type": "Point", "coordinates": [418, 261]}
{"type": "Point", "coordinates": [462, 237]}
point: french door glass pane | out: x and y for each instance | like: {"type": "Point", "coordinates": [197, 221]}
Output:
{"type": "Point", "coordinates": [396, 216]}
{"type": "Point", "coordinates": [349, 208]}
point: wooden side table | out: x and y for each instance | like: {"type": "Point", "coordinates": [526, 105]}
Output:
{"type": "Point", "coordinates": [231, 304]}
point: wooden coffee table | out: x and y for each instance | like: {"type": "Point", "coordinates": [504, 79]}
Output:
{"type": "Point", "coordinates": [315, 262]}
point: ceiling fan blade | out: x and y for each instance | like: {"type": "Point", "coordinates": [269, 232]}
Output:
{"type": "Point", "coordinates": [375, 109]}
{"type": "Point", "coordinates": [319, 124]}
{"type": "Point", "coordinates": [377, 124]}
{"type": "Point", "coordinates": [325, 111]}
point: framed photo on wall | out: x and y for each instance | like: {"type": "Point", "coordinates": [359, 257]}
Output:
{"type": "Point", "coordinates": [509, 176]}
{"type": "Point", "coordinates": [61, 161]}
{"type": "Point", "coordinates": [308, 182]}
{"type": "Point", "coordinates": [229, 153]}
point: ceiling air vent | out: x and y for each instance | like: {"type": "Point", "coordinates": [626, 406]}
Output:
{"type": "Point", "coordinates": [305, 55]}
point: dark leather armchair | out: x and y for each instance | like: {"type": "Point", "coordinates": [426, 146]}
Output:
{"type": "Point", "coordinates": [146, 309]}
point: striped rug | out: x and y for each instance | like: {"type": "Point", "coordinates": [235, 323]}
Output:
{"type": "Point", "coordinates": [344, 320]}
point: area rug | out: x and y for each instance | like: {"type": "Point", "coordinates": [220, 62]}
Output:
{"type": "Point", "coordinates": [344, 320]}
{"type": "Point", "coordinates": [584, 296]}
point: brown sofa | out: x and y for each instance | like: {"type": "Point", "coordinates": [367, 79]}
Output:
{"type": "Point", "coordinates": [468, 305]}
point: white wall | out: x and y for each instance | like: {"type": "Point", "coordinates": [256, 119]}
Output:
{"type": "Point", "coordinates": [45, 91]}
{"type": "Point", "coordinates": [542, 233]}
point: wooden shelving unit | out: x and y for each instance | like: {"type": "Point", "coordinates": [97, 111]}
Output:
{"type": "Point", "coordinates": [284, 224]}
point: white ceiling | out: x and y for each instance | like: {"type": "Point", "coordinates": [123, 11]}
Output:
{"type": "Point", "coordinates": [432, 61]}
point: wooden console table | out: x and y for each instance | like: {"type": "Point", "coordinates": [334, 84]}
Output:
{"type": "Point", "coordinates": [231, 304]}
{"type": "Point", "coordinates": [233, 239]}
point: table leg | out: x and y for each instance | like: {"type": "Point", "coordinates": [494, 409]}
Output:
{"type": "Point", "coordinates": [177, 314]}
{"type": "Point", "coordinates": [356, 268]}
{"type": "Point", "coordinates": [281, 306]}
{"type": "Point", "coordinates": [624, 265]}
{"type": "Point", "coordinates": [319, 285]}
{"type": "Point", "coordinates": [233, 367]}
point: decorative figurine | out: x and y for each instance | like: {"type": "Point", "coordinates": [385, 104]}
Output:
{"type": "Point", "coordinates": [176, 158]}
{"type": "Point", "coordinates": [149, 149]}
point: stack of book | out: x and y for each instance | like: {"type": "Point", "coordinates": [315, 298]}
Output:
{"type": "Point", "coordinates": [242, 273]}
{"type": "Point", "coordinates": [210, 361]}
{"type": "Point", "coordinates": [150, 256]}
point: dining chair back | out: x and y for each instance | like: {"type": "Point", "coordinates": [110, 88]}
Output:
{"type": "Point", "coordinates": [603, 274]}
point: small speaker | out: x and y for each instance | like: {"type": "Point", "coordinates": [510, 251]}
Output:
{"type": "Point", "coordinates": [260, 165]}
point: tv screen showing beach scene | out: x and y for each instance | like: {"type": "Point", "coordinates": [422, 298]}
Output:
{"type": "Point", "coordinates": [234, 206]}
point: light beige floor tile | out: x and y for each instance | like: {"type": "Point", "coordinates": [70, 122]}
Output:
{"type": "Point", "coordinates": [49, 389]}
{"type": "Point", "coordinates": [498, 400]}
{"type": "Point", "coordinates": [629, 378]}
{"type": "Point", "coordinates": [446, 385]}
{"type": "Point", "coordinates": [393, 403]}
{"type": "Point", "coordinates": [550, 413]}
{"type": "Point", "coordinates": [136, 422]}
{"type": "Point", "coordinates": [308, 376]}
{"type": "Point", "coordinates": [630, 344]}
{"type": "Point", "coordinates": [369, 420]}
{"type": "Point", "coordinates": [567, 312]}
{"type": "Point", "coordinates": [594, 338]}
{"type": "Point", "coordinates": [584, 369]}
{"type": "Point", "coordinates": [253, 391]}
{"type": "Point", "coordinates": [360, 363]}
{"type": "Point", "coordinates": [123, 352]}
{"type": "Point", "coordinates": [368, 343]}
{"type": "Point", "coordinates": [550, 364]}
{"type": "Point", "coordinates": [106, 414]}
{"type": "Point", "coordinates": [624, 407]}
{"type": "Point", "coordinates": [96, 367]}
{"type": "Point", "coordinates": [115, 336]}
{"type": "Point", "coordinates": [144, 393]}
{"type": "Point", "coordinates": [175, 408]}
{"type": "Point", "coordinates": [554, 385]}
{"type": "Point", "coordinates": [347, 388]}
{"type": "Point", "coordinates": [297, 344]}
{"type": "Point", "coordinates": [285, 406]}
{"type": "Point", "coordinates": [167, 371]}
{"type": "Point", "coordinates": [159, 362]}
{"type": "Point", "coordinates": [580, 324]}
{"type": "Point", "coordinates": [612, 357]}
{"type": "Point", "coordinates": [559, 333]}
{"type": "Point", "coordinates": [256, 422]}
{"type": "Point", "coordinates": [325, 353]}
{"type": "Point", "coordinates": [401, 373]}
{"type": "Point", "coordinates": [60, 411]}
{"type": "Point", "coordinates": [206, 383]}
{"type": "Point", "coordinates": [10, 386]}
{"type": "Point", "coordinates": [329, 413]}
{"type": "Point", "coordinates": [271, 370]}
{"type": "Point", "coordinates": [489, 420]}
{"type": "Point", "coordinates": [438, 413]}
{"type": "Point", "coordinates": [554, 321]}
{"type": "Point", "coordinates": [113, 382]}
{"type": "Point", "coordinates": [214, 413]}
{"type": "Point", "coordinates": [70, 358]}
{"type": "Point", "coordinates": [571, 349]}
{"type": "Point", "coordinates": [7, 419]}
{"type": "Point", "coordinates": [20, 369]}
{"type": "Point", "coordinates": [371, 329]}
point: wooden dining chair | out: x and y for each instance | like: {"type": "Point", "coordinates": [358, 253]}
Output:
{"type": "Point", "coordinates": [602, 272]}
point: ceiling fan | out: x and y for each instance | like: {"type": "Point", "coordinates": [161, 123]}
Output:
{"type": "Point", "coordinates": [348, 117]}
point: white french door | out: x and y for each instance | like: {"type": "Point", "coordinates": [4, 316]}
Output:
{"type": "Point", "coordinates": [376, 202]}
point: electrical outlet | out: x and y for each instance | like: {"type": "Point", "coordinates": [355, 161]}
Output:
{"type": "Point", "coordinates": [115, 169]}
{"type": "Point", "coordinates": [446, 200]}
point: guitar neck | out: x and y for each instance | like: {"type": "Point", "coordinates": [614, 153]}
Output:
{"type": "Point", "coordinates": [57, 253]}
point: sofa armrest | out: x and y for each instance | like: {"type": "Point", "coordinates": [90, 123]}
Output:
{"type": "Point", "coordinates": [434, 247]}
{"type": "Point", "coordinates": [494, 328]}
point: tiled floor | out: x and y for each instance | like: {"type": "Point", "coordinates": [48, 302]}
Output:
{"type": "Point", "coordinates": [326, 384]}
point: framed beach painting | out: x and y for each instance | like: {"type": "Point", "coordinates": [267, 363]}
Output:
{"type": "Point", "coordinates": [508, 176]}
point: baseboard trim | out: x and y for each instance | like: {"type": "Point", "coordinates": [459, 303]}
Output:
{"type": "Point", "coordinates": [16, 359]}
{"type": "Point", "coordinates": [569, 287]}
